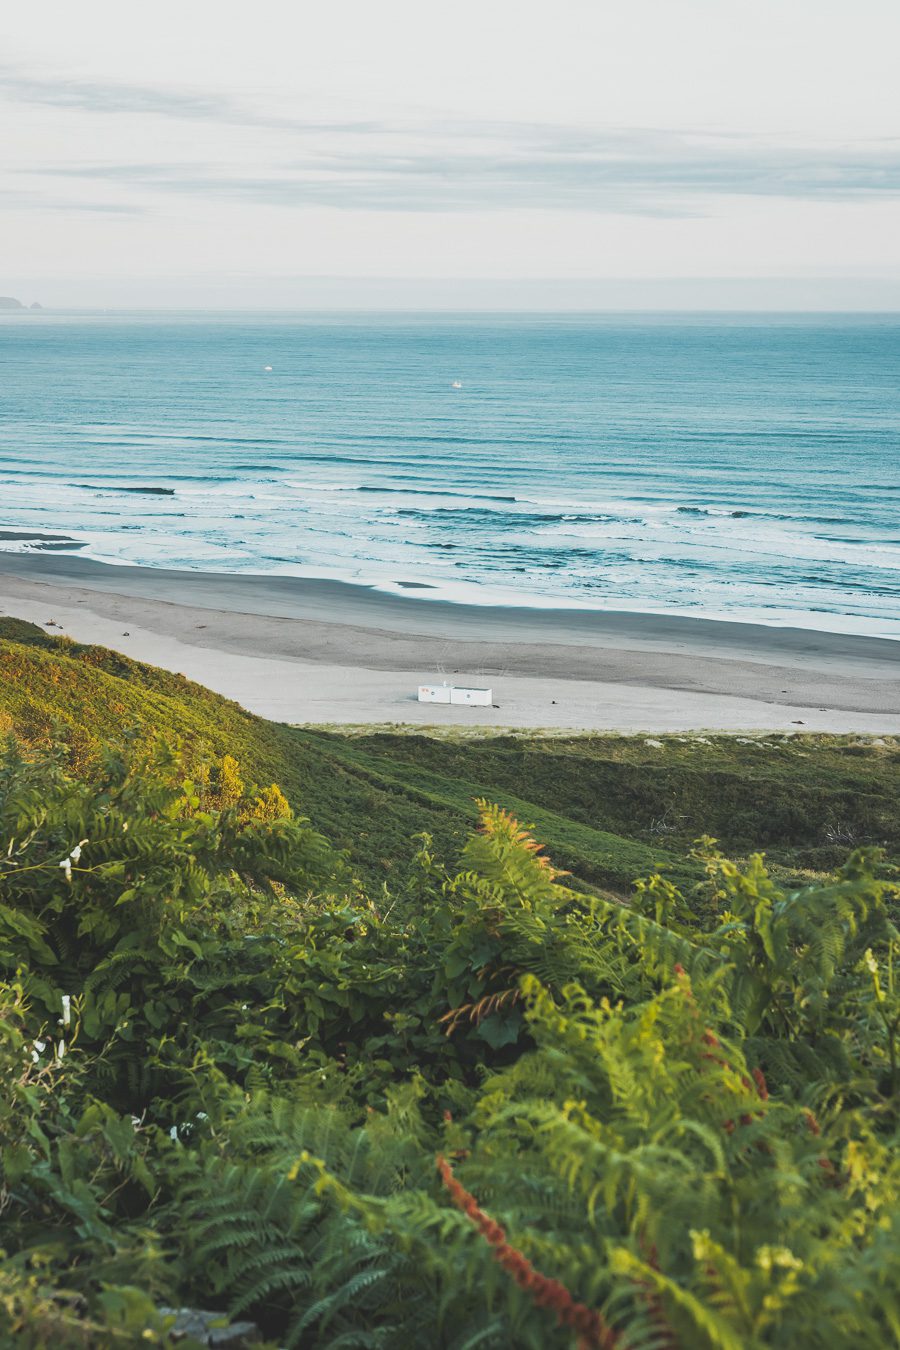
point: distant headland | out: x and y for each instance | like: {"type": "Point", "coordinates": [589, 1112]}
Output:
{"type": "Point", "coordinates": [10, 302]}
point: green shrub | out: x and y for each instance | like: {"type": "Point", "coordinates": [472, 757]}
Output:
{"type": "Point", "coordinates": [478, 1108]}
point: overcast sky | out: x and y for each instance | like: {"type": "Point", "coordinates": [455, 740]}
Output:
{"type": "Point", "coordinates": [486, 151]}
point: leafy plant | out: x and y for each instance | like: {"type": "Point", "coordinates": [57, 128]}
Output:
{"type": "Point", "coordinates": [481, 1107]}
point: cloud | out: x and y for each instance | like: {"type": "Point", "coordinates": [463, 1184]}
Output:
{"type": "Point", "coordinates": [107, 97]}
{"type": "Point", "coordinates": [456, 165]}
{"type": "Point", "coordinates": [454, 178]}
{"type": "Point", "coordinates": [114, 98]}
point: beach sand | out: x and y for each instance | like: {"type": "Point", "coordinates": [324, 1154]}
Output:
{"type": "Point", "coordinates": [307, 651]}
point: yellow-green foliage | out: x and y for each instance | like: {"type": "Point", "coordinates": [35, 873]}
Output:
{"type": "Point", "coordinates": [52, 689]}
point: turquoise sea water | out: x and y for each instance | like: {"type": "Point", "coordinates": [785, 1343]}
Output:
{"type": "Point", "coordinates": [737, 466]}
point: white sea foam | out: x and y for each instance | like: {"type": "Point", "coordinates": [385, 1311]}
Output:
{"type": "Point", "coordinates": [664, 481]}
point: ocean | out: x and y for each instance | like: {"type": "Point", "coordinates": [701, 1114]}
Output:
{"type": "Point", "coordinates": [728, 466]}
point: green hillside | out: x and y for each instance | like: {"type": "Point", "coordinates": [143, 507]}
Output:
{"type": "Point", "coordinates": [609, 808]}
{"type": "Point", "coordinates": [434, 1092]}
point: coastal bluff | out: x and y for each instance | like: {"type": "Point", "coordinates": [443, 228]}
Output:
{"type": "Point", "coordinates": [10, 302]}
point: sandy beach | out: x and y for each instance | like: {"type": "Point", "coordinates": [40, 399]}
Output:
{"type": "Point", "coordinates": [308, 651]}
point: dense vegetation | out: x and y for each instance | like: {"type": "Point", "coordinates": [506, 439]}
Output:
{"type": "Point", "coordinates": [441, 1103]}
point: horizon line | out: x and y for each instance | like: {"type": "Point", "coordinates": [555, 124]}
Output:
{"type": "Point", "coordinates": [522, 311]}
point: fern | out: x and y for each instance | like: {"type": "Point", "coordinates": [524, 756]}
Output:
{"type": "Point", "coordinates": [665, 1123]}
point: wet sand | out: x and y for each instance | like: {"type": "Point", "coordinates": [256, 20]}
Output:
{"type": "Point", "coordinates": [302, 650]}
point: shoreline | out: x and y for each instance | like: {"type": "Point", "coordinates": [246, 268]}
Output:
{"type": "Point", "coordinates": [317, 651]}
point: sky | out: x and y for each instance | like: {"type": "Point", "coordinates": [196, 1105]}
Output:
{"type": "Point", "coordinates": [484, 153]}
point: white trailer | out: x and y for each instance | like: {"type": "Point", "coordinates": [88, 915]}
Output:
{"type": "Point", "coordinates": [434, 693]}
{"type": "Point", "coordinates": [461, 695]}
{"type": "Point", "coordinates": [472, 698]}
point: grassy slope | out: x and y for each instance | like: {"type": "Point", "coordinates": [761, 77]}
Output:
{"type": "Point", "coordinates": [608, 808]}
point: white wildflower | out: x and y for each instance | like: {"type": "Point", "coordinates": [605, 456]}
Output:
{"type": "Point", "coordinates": [67, 1010]}
{"type": "Point", "coordinates": [60, 1050]}
{"type": "Point", "coordinates": [74, 857]}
